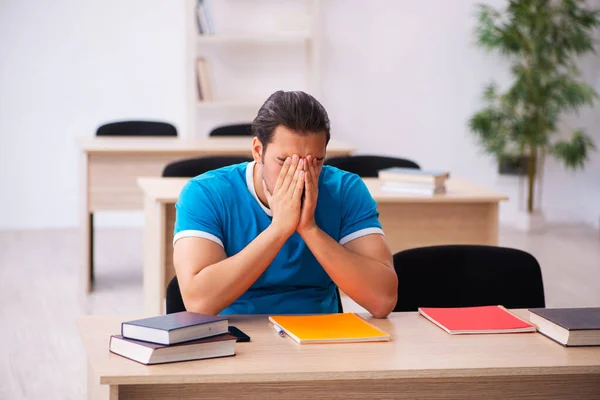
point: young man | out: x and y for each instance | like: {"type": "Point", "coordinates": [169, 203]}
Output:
{"type": "Point", "coordinates": [275, 236]}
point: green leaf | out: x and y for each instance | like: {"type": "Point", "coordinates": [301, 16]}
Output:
{"type": "Point", "coordinates": [574, 153]}
{"type": "Point", "coordinates": [491, 127]}
{"type": "Point", "coordinates": [489, 93]}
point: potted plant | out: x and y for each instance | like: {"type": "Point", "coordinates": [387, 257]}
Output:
{"type": "Point", "coordinates": [542, 39]}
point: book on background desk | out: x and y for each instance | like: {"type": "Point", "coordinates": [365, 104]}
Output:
{"type": "Point", "coordinates": [568, 326]}
{"type": "Point", "coordinates": [412, 188]}
{"type": "Point", "coordinates": [152, 353]}
{"type": "Point", "coordinates": [329, 328]}
{"type": "Point", "coordinates": [476, 320]}
{"type": "Point", "coordinates": [174, 328]}
{"type": "Point", "coordinates": [396, 174]}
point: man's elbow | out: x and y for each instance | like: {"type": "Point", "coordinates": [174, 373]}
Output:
{"type": "Point", "coordinates": [199, 305]}
{"type": "Point", "coordinates": [384, 306]}
{"type": "Point", "coordinates": [201, 308]}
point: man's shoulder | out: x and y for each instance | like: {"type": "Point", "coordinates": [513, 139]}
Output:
{"type": "Point", "coordinates": [218, 183]}
{"type": "Point", "coordinates": [335, 179]}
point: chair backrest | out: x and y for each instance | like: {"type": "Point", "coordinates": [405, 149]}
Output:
{"type": "Point", "coordinates": [196, 166]}
{"type": "Point", "coordinates": [467, 276]}
{"type": "Point", "coordinates": [137, 128]}
{"type": "Point", "coordinates": [368, 166]}
{"type": "Point", "coordinates": [175, 301]}
{"type": "Point", "coordinates": [232, 130]}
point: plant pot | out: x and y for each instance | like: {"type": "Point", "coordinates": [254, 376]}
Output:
{"type": "Point", "coordinates": [532, 223]}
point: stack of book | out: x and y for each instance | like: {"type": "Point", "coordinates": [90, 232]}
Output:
{"type": "Point", "coordinates": [414, 181]}
{"type": "Point", "coordinates": [175, 337]}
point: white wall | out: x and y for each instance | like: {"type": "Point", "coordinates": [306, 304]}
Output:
{"type": "Point", "coordinates": [399, 78]}
{"type": "Point", "coordinates": [66, 67]}
{"type": "Point", "coordinates": [402, 78]}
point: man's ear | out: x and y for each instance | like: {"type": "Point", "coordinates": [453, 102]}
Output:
{"type": "Point", "coordinates": [257, 150]}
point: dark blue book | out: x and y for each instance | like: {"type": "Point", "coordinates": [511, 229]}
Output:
{"type": "Point", "coordinates": [174, 328]}
{"type": "Point", "coordinates": [568, 326]}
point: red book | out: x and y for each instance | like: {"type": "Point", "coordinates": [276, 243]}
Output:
{"type": "Point", "coordinates": [472, 320]}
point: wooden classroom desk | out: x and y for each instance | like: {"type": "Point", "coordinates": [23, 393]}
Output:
{"type": "Point", "coordinates": [110, 167]}
{"type": "Point", "coordinates": [422, 361]}
{"type": "Point", "coordinates": [467, 214]}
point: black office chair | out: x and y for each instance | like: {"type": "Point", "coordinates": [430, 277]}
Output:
{"type": "Point", "coordinates": [232, 130]}
{"type": "Point", "coordinates": [196, 166]}
{"type": "Point", "coordinates": [137, 128]}
{"type": "Point", "coordinates": [128, 129]}
{"type": "Point", "coordinates": [467, 276]}
{"type": "Point", "coordinates": [175, 301]}
{"type": "Point", "coordinates": [368, 166]}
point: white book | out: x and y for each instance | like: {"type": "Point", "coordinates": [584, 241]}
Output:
{"type": "Point", "coordinates": [412, 188]}
{"type": "Point", "coordinates": [151, 353]}
{"type": "Point", "coordinates": [413, 175]}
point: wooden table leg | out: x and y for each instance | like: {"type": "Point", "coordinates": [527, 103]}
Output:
{"type": "Point", "coordinates": [113, 392]}
{"type": "Point", "coordinates": [154, 256]}
{"type": "Point", "coordinates": [168, 267]}
{"type": "Point", "coordinates": [86, 228]}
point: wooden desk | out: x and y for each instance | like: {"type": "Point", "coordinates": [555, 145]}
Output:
{"type": "Point", "coordinates": [422, 361]}
{"type": "Point", "coordinates": [467, 214]}
{"type": "Point", "coordinates": [110, 167]}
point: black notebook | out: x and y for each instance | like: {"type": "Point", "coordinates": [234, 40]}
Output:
{"type": "Point", "coordinates": [569, 326]}
{"type": "Point", "coordinates": [174, 328]}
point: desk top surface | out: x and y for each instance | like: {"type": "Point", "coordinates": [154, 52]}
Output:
{"type": "Point", "coordinates": [418, 349]}
{"type": "Point", "coordinates": [158, 145]}
{"type": "Point", "coordinates": [166, 190]}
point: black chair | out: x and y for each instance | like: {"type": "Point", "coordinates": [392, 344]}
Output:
{"type": "Point", "coordinates": [467, 276]}
{"type": "Point", "coordinates": [175, 301]}
{"type": "Point", "coordinates": [137, 128]}
{"type": "Point", "coordinates": [232, 130]}
{"type": "Point", "coordinates": [128, 129]}
{"type": "Point", "coordinates": [196, 166]}
{"type": "Point", "coordinates": [368, 166]}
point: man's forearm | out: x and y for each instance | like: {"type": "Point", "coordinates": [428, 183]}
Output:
{"type": "Point", "coordinates": [217, 286]}
{"type": "Point", "coordinates": [369, 282]}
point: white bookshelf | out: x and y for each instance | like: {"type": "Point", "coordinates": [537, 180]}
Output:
{"type": "Point", "coordinates": [259, 46]}
{"type": "Point", "coordinates": [256, 39]}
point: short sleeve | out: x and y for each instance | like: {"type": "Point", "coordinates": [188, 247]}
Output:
{"type": "Point", "coordinates": [359, 210]}
{"type": "Point", "coordinates": [197, 214]}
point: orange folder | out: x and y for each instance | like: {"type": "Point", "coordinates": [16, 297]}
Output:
{"type": "Point", "coordinates": [329, 328]}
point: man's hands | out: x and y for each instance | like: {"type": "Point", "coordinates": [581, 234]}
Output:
{"type": "Point", "coordinates": [297, 177]}
{"type": "Point", "coordinates": [311, 193]}
{"type": "Point", "coordinates": [285, 201]}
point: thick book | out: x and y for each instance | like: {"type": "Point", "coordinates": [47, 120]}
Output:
{"type": "Point", "coordinates": [174, 328]}
{"type": "Point", "coordinates": [395, 174]}
{"type": "Point", "coordinates": [568, 326]}
{"type": "Point", "coordinates": [329, 328]}
{"type": "Point", "coordinates": [152, 353]}
{"type": "Point", "coordinates": [412, 188]}
{"type": "Point", "coordinates": [476, 320]}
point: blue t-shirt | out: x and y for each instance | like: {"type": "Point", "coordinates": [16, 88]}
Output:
{"type": "Point", "coordinates": [222, 206]}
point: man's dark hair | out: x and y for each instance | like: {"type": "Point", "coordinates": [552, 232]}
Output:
{"type": "Point", "coordinates": [295, 110]}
